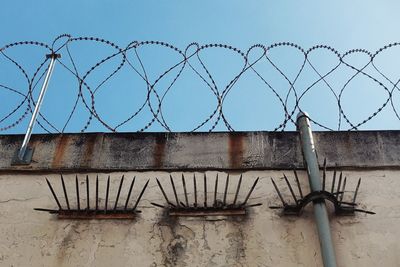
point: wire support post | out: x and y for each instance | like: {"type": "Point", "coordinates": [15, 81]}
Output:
{"type": "Point", "coordinates": [24, 155]}
{"type": "Point", "coordinates": [320, 212]}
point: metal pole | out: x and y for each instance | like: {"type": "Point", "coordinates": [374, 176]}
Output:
{"type": "Point", "coordinates": [32, 122]}
{"type": "Point", "coordinates": [320, 213]}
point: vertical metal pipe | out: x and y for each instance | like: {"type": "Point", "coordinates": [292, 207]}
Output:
{"type": "Point", "coordinates": [43, 90]}
{"type": "Point", "coordinates": [320, 213]}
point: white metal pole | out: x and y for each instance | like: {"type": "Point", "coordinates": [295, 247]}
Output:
{"type": "Point", "coordinates": [43, 90]}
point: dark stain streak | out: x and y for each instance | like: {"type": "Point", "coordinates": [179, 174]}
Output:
{"type": "Point", "coordinates": [159, 151]}
{"type": "Point", "coordinates": [89, 144]}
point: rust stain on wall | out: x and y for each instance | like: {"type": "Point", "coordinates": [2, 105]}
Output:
{"type": "Point", "coordinates": [60, 151]}
{"type": "Point", "coordinates": [236, 150]}
{"type": "Point", "coordinates": [87, 155]}
{"type": "Point", "coordinates": [159, 151]}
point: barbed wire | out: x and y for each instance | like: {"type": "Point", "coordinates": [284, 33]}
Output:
{"type": "Point", "coordinates": [289, 97]}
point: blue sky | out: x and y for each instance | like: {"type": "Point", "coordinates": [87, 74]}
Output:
{"type": "Point", "coordinates": [249, 106]}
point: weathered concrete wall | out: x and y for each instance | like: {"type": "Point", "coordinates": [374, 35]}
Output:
{"type": "Point", "coordinates": [263, 238]}
{"type": "Point", "coordinates": [200, 151]}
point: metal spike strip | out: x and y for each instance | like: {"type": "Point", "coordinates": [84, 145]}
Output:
{"type": "Point", "coordinates": [184, 190]}
{"type": "Point", "coordinates": [339, 184]}
{"type": "Point", "coordinates": [215, 191]}
{"type": "Point", "coordinates": [65, 192]}
{"type": "Point", "coordinates": [237, 190]}
{"type": "Point", "coordinates": [97, 192]}
{"type": "Point", "coordinates": [96, 213]}
{"type": "Point", "coordinates": [129, 193]}
{"type": "Point", "coordinates": [279, 193]}
{"type": "Point", "coordinates": [195, 190]}
{"type": "Point", "coordinates": [54, 194]}
{"type": "Point", "coordinates": [298, 183]}
{"type": "Point", "coordinates": [226, 189]}
{"type": "Point", "coordinates": [217, 208]}
{"type": "Point", "coordinates": [333, 181]}
{"type": "Point", "coordinates": [324, 175]}
{"type": "Point", "coordinates": [356, 191]}
{"type": "Point", "coordinates": [290, 188]}
{"type": "Point", "coordinates": [163, 192]}
{"type": "Point", "coordinates": [343, 188]}
{"type": "Point", "coordinates": [77, 193]}
{"type": "Point", "coordinates": [174, 189]}
{"type": "Point", "coordinates": [87, 193]}
{"type": "Point", "coordinates": [107, 190]}
{"type": "Point", "coordinates": [119, 192]}
{"type": "Point", "coordinates": [140, 195]}
{"type": "Point", "coordinates": [205, 191]}
{"type": "Point", "coordinates": [251, 191]}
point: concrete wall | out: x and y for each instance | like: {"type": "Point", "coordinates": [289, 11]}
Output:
{"type": "Point", "coordinates": [199, 151]}
{"type": "Point", "coordinates": [263, 238]}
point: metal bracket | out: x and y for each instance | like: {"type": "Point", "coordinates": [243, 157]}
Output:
{"type": "Point", "coordinates": [53, 55]}
{"type": "Point", "coordinates": [335, 195]}
{"type": "Point", "coordinates": [26, 160]}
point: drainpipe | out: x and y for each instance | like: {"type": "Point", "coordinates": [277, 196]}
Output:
{"type": "Point", "coordinates": [320, 213]}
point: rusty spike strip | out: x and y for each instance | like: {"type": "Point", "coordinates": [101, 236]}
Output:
{"type": "Point", "coordinates": [107, 212]}
{"type": "Point", "coordinates": [205, 190]}
{"type": "Point", "coordinates": [339, 184]}
{"type": "Point", "coordinates": [129, 193]}
{"type": "Point", "coordinates": [336, 196]}
{"type": "Point", "coordinates": [215, 191]}
{"type": "Point", "coordinates": [279, 193]}
{"type": "Point", "coordinates": [356, 191]}
{"type": "Point", "coordinates": [251, 191]}
{"type": "Point", "coordinates": [119, 192]}
{"type": "Point", "coordinates": [107, 191]}
{"type": "Point", "coordinates": [237, 190]}
{"type": "Point", "coordinates": [333, 181]}
{"type": "Point", "coordinates": [48, 210]}
{"type": "Point", "coordinates": [324, 175]}
{"type": "Point", "coordinates": [184, 190]}
{"type": "Point", "coordinates": [216, 208]}
{"type": "Point", "coordinates": [195, 190]}
{"type": "Point", "coordinates": [298, 183]}
{"type": "Point", "coordinates": [140, 196]}
{"type": "Point", "coordinates": [87, 193]}
{"type": "Point", "coordinates": [65, 192]}
{"type": "Point", "coordinates": [165, 195]}
{"type": "Point", "coordinates": [291, 189]}
{"type": "Point", "coordinates": [77, 192]}
{"type": "Point", "coordinates": [226, 189]}
{"type": "Point", "coordinates": [174, 189]}
{"type": "Point", "coordinates": [97, 192]}
{"type": "Point", "coordinates": [343, 188]}
{"type": "Point", "coordinates": [157, 205]}
{"type": "Point", "coordinates": [54, 194]}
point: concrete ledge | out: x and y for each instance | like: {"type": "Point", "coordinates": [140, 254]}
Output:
{"type": "Point", "coordinates": [199, 151]}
